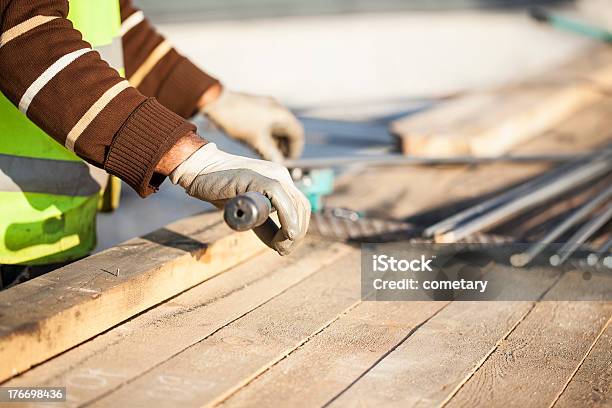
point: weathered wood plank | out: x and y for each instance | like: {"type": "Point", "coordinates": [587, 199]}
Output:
{"type": "Point", "coordinates": [216, 367]}
{"type": "Point", "coordinates": [104, 363]}
{"type": "Point", "coordinates": [433, 361]}
{"type": "Point", "coordinates": [532, 365]}
{"type": "Point", "coordinates": [491, 123]}
{"type": "Point", "coordinates": [50, 314]}
{"type": "Point", "coordinates": [320, 369]}
{"type": "Point", "coordinates": [438, 190]}
{"type": "Point", "coordinates": [591, 386]}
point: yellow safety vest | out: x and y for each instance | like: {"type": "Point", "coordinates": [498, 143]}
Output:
{"type": "Point", "coordinates": [48, 196]}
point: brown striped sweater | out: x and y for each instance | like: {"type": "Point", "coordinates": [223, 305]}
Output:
{"type": "Point", "coordinates": [50, 73]}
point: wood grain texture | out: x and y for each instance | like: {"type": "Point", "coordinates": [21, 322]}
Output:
{"type": "Point", "coordinates": [320, 369]}
{"type": "Point", "coordinates": [211, 370]}
{"type": "Point", "coordinates": [591, 386]}
{"type": "Point", "coordinates": [231, 334]}
{"type": "Point", "coordinates": [533, 364]}
{"type": "Point", "coordinates": [108, 361]}
{"type": "Point", "coordinates": [443, 352]}
{"type": "Point", "coordinates": [50, 314]}
{"type": "Point", "coordinates": [491, 123]}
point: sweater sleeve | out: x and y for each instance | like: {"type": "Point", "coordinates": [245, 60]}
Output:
{"type": "Point", "coordinates": [156, 68]}
{"type": "Point", "coordinates": [64, 87]}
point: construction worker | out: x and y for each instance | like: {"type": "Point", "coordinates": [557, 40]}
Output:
{"type": "Point", "coordinates": [62, 69]}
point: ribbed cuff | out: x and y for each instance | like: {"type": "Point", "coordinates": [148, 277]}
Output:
{"type": "Point", "coordinates": [183, 88]}
{"type": "Point", "coordinates": [149, 132]}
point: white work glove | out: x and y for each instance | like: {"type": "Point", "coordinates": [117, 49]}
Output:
{"type": "Point", "coordinates": [259, 122]}
{"type": "Point", "coordinates": [215, 176]}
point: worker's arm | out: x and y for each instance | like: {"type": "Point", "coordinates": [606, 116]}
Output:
{"type": "Point", "coordinates": [154, 67]}
{"type": "Point", "coordinates": [157, 69]}
{"type": "Point", "coordinates": [64, 87]}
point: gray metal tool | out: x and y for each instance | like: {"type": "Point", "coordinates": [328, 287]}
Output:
{"type": "Point", "coordinates": [247, 211]}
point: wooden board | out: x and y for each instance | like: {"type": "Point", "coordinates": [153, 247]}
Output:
{"type": "Point", "coordinates": [211, 370]}
{"type": "Point", "coordinates": [50, 314]}
{"type": "Point", "coordinates": [328, 364]}
{"type": "Point", "coordinates": [436, 359]}
{"type": "Point", "coordinates": [591, 386]}
{"type": "Point", "coordinates": [490, 123]}
{"type": "Point", "coordinates": [128, 351]}
{"type": "Point", "coordinates": [534, 363]}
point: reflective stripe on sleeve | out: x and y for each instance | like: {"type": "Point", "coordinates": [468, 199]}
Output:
{"type": "Point", "coordinates": [147, 66]}
{"type": "Point", "coordinates": [47, 76]}
{"type": "Point", "coordinates": [92, 112]}
{"type": "Point", "coordinates": [131, 22]}
{"type": "Point", "coordinates": [23, 28]}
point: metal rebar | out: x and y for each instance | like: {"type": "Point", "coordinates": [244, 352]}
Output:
{"type": "Point", "coordinates": [593, 258]}
{"type": "Point", "coordinates": [541, 194]}
{"type": "Point", "coordinates": [398, 159]}
{"type": "Point", "coordinates": [449, 223]}
{"type": "Point", "coordinates": [522, 259]}
{"type": "Point", "coordinates": [581, 236]}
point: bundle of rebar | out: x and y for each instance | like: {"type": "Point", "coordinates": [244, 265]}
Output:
{"type": "Point", "coordinates": [588, 218]}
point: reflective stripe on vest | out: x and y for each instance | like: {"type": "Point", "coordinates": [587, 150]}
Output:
{"type": "Point", "coordinates": [48, 196]}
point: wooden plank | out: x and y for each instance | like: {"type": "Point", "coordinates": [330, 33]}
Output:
{"type": "Point", "coordinates": [216, 367]}
{"type": "Point", "coordinates": [442, 190]}
{"type": "Point", "coordinates": [592, 384]}
{"type": "Point", "coordinates": [320, 369]}
{"type": "Point", "coordinates": [434, 360]}
{"type": "Point", "coordinates": [104, 363]}
{"type": "Point", "coordinates": [491, 123]}
{"type": "Point", "coordinates": [533, 364]}
{"type": "Point", "coordinates": [50, 314]}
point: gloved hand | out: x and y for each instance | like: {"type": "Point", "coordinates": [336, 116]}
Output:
{"type": "Point", "coordinates": [215, 176]}
{"type": "Point", "coordinates": [259, 122]}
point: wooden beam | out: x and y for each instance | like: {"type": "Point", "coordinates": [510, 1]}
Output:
{"type": "Point", "coordinates": [50, 314]}
{"type": "Point", "coordinates": [492, 122]}
{"type": "Point", "coordinates": [128, 351]}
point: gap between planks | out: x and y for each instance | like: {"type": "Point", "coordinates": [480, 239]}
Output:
{"type": "Point", "coordinates": [240, 351]}
{"type": "Point", "coordinates": [223, 397]}
{"type": "Point", "coordinates": [381, 358]}
{"type": "Point", "coordinates": [496, 346]}
{"type": "Point", "coordinates": [586, 355]}
{"type": "Point", "coordinates": [542, 352]}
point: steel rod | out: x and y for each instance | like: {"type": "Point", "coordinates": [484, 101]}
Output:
{"type": "Point", "coordinates": [581, 236]}
{"type": "Point", "coordinates": [398, 159]}
{"type": "Point", "coordinates": [541, 194]}
{"type": "Point", "coordinates": [593, 258]}
{"type": "Point", "coordinates": [449, 223]}
{"type": "Point", "coordinates": [522, 259]}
